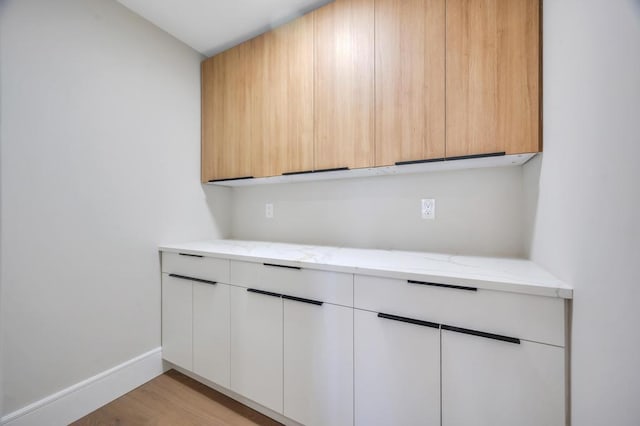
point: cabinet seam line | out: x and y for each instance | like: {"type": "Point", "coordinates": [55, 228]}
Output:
{"type": "Point", "coordinates": [353, 348]}
{"type": "Point", "coordinates": [445, 79]}
{"type": "Point", "coordinates": [440, 375]}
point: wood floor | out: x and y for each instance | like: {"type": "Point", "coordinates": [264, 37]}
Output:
{"type": "Point", "coordinates": [174, 399]}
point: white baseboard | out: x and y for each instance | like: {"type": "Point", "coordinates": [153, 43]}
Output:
{"type": "Point", "coordinates": [77, 401]}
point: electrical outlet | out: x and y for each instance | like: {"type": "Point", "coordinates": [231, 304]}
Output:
{"type": "Point", "coordinates": [268, 210]}
{"type": "Point", "coordinates": [428, 208]}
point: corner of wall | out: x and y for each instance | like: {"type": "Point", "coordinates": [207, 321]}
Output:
{"type": "Point", "coordinates": [220, 201]}
{"type": "Point", "coordinates": [530, 193]}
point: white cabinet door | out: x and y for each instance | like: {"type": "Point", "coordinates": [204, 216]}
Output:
{"type": "Point", "coordinates": [177, 308]}
{"type": "Point", "coordinates": [397, 372]}
{"type": "Point", "coordinates": [318, 363]}
{"type": "Point", "coordinates": [487, 382]}
{"type": "Point", "coordinates": [211, 332]}
{"type": "Point", "coordinates": [256, 347]}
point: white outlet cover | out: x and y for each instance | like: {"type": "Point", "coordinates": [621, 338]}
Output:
{"type": "Point", "coordinates": [268, 210]}
{"type": "Point", "coordinates": [428, 208]}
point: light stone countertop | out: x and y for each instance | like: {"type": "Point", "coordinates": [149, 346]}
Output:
{"type": "Point", "coordinates": [490, 273]}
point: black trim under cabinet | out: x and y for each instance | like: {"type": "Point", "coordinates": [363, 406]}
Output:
{"type": "Point", "coordinates": [190, 255]}
{"type": "Point", "coordinates": [456, 287]}
{"type": "Point", "coordinates": [481, 334]}
{"type": "Point", "coordinates": [228, 179]}
{"type": "Point", "coordinates": [200, 280]}
{"type": "Point", "coordinates": [266, 293]}
{"type": "Point", "coordinates": [282, 266]}
{"type": "Point", "coordinates": [304, 172]}
{"type": "Point", "coordinates": [300, 299]}
{"type": "Point", "coordinates": [409, 320]}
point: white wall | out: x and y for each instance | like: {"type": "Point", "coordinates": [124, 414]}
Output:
{"type": "Point", "coordinates": [477, 212]}
{"type": "Point", "coordinates": [100, 143]}
{"type": "Point", "coordinates": [592, 154]}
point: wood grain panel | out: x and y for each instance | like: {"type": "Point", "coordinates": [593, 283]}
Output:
{"type": "Point", "coordinates": [344, 84]}
{"type": "Point", "coordinates": [493, 80]}
{"type": "Point", "coordinates": [282, 99]}
{"type": "Point", "coordinates": [410, 80]}
{"type": "Point", "coordinates": [226, 114]}
{"type": "Point", "coordinates": [175, 399]}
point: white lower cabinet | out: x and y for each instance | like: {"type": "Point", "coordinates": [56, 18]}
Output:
{"type": "Point", "coordinates": [397, 372]}
{"type": "Point", "coordinates": [211, 337]}
{"type": "Point", "coordinates": [337, 349]}
{"type": "Point", "coordinates": [195, 326]}
{"type": "Point", "coordinates": [256, 347]}
{"type": "Point", "coordinates": [177, 312]}
{"type": "Point", "coordinates": [318, 363]}
{"type": "Point", "coordinates": [487, 382]}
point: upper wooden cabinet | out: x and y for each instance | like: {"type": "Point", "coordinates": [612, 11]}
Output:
{"type": "Point", "coordinates": [493, 76]}
{"type": "Point", "coordinates": [257, 105]}
{"type": "Point", "coordinates": [410, 80]}
{"type": "Point", "coordinates": [227, 82]}
{"type": "Point", "coordinates": [344, 85]}
{"type": "Point", "coordinates": [361, 83]}
{"type": "Point", "coordinates": [282, 126]}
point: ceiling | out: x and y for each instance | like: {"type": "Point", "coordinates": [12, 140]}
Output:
{"type": "Point", "coordinates": [211, 26]}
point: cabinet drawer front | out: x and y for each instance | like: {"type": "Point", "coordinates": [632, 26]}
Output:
{"type": "Point", "coordinates": [328, 287]}
{"type": "Point", "coordinates": [535, 318]}
{"type": "Point", "coordinates": [397, 372]}
{"type": "Point", "coordinates": [490, 383]}
{"type": "Point", "coordinates": [207, 268]}
{"type": "Point", "coordinates": [177, 325]}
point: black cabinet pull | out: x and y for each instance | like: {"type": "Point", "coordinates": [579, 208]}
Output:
{"type": "Point", "coordinates": [190, 255]}
{"type": "Point", "coordinates": [481, 334]}
{"type": "Point", "coordinates": [456, 287]}
{"type": "Point", "coordinates": [200, 280]}
{"type": "Point", "coordinates": [300, 299]}
{"type": "Point", "coordinates": [228, 179]}
{"type": "Point", "coordinates": [409, 320]}
{"type": "Point", "coordinates": [461, 157]}
{"type": "Point", "coordinates": [468, 157]}
{"type": "Point", "coordinates": [266, 293]}
{"type": "Point", "coordinates": [282, 266]}
{"type": "Point", "coordinates": [304, 172]}
{"type": "Point", "coordinates": [428, 160]}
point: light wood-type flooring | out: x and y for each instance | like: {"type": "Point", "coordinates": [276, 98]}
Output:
{"type": "Point", "coordinates": [174, 399]}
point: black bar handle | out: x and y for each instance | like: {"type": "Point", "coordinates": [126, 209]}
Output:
{"type": "Point", "coordinates": [468, 157]}
{"type": "Point", "coordinates": [304, 172]}
{"type": "Point", "coordinates": [428, 160]}
{"type": "Point", "coordinates": [300, 299]}
{"type": "Point", "coordinates": [409, 320]}
{"type": "Point", "coordinates": [266, 293]}
{"type": "Point", "coordinates": [200, 280]}
{"type": "Point", "coordinates": [229, 179]}
{"type": "Point", "coordinates": [481, 334]}
{"type": "Point", "coordinates": [282, 266]}
{"type": "Point", "coordinates": [190, 255]}
{"type": "Point", "coordinates": [456, 287]}
{"type": "Point", "coordinates": [334, 169]}
{"type": "Point", "coordinates": [460, 157]}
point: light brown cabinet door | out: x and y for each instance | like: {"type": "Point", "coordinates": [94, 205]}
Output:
{"type": "Point", "coordinates": [493, 83]}
{"type": "Point", "coordinates": [226, 114]}
{"type": "Point", "coordinates": [410, 80]}
{"type": "Point", "coordinates": [282, 99]}
{"type": "Point", "coordinates": [344, 86]}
